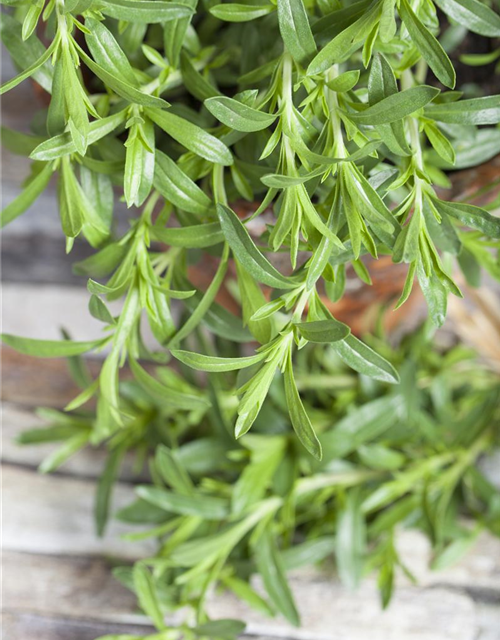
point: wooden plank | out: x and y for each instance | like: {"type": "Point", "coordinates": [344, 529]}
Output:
{"type": "Point", "coordinates": [88, 463]}
{"type": "Point", "coordinates": [43, 514]}
{"type": "Point", "coordinates": [33, 382]}
{"type": "Point", "coordinates": [21, 626]}
{"type": "Point", "coordinates": [81, 588]}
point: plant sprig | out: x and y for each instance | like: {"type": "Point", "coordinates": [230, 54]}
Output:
{"type": "Point", "coordinates": [336, 122]}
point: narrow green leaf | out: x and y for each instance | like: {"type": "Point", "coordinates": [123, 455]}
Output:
{"type": "Point", "coordinates": [298, 416]}
{"type": "Point", "coordinates": [234, 12]}
{"type": "Point", "coordinates": [63, 144]}
{"type": "Point", "coordinates": [120, 86]}
{"type": "Point", "coordinates": [10, 84]}
{"type": "Point", "coordinates": [68, 449]}
{"type": "Point", "coordinates": [323, 331]}
{"type": "Point", "coordinates": [107, 52]}
{"type": "Point", "coordinates": [196, 83]}
{"type": "Point", "coordinates": [397, 106]}
{"type": "Point", "coordinates": [165, 393]}
{"type": "Point", "coordinates": [470, 215]}
{"type": "Point", "coordinates": [474, 111]}
{"type": "Point", "coordinates": [203, 506]}
{"type": "Point", "coordinates": [295, 30]}
{"type": "Point", "coordinates": [225, 629]}
{"type": "Point", "coordinates": [346, 42]}
{"type": "Point", "coordinates": [363, 359]}
{"type": "Point", "coordinates": [197, 236]}
{"type": "Point", "coordinates": [178, 188]}
{"type": "Point", "coordinates": [28, 196]}
{"type": "Point", "coordinates": [172, 470]}
{"type": "Point", "coordinates": [192, 137]}
{"type": "Point", "coordinates": [247, 253]}
{"type": "Point", "coordinates": [271, 568]}
{"type": "Point", "coordinates": [202, 362]}
{"type": "Point", "coordinates": [147, 11]}
{"type": "Point", "coordinates": [344, 82]}
{"type": "Point", "coordinates": [145, 589]}
{"type": "Point", "coordinates": [350, 544]}
{"type": "Point", "coordinates": [237, 115]}
{"type": "Point", "coordinates": [473, 15]}
{"type": "Point", "coordinates": [429, 47]}
{"type": "Point", "coordinates": [104, 489]}
{"type": "Point", "coordinates": [50, 348]}
{"type": "Point", "coordinates": [25, 53]}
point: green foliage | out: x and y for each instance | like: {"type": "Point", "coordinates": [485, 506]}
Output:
{"type": "Point", "coordinates": [335, 122]}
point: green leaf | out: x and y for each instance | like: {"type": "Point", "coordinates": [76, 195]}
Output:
{"type": "Point", "coordinates": [50, 348]}
{"type": "Point", "coordinates": [295, 30]}
{"type": "Point", "coordinates": [455, 551]}
{"type": "Point", "coordinates": [237, 115]}
{"type": "Point", "coordinates": [323, 331]}
{"type": "Point", "coordinates": [68, 449]}
{"type": "Point", "coordinates": [104, 489]}
{"type": "Point", "coordinates": [435, 295]}
{"type": "Point", "coordinates": [346, 42]}
{"type": "Point", "coordinates": [166, 394]}
{"type": "Point", "coordinates": [247, 253]}
{"type": "Point", "coordinates": [139, 163]}
{"type": "Point", "coordinates": [28, 196]}
{"type": "Point", "coordinates": [145, 589]}
{"type": "Point", "coordinates": [344, 82]}
{"type": "Point", "coordinates": [473, 15]}
{"type": "Point", "coordinates": [474, 111]}
{"type": "Point", "coordinates": [471, 216]}
{"type": "Point", "coordinates": [120, 86]}
{"type": "Point", "coordinates": [172, 470]}
{"type": "Point", "coordinates": [25, 53]}
{"type": "Point", "coordinates": [197, 236]}
{"type": "Point", "coordinates": [363, 359]}
{"type": "Point", "coordinates": [266, 453]}
{"type": "Point", "coordinates": [107, 52]}
{"type": "Point", "coordinates": [234, 12]}
{"type": "Point", "coordinates": [174, 34]}
{"type": "Point", "coordinates": [271, 569]}
{"type": "Point", "coordinates": [225, 629]}
{"type": "Point", "coordinates": [10, 84]}
{"type": "Point", "coordinates": [202, 362]}
{"type": "Point", "coordinates": [298, 416]}
{"type": "Point", "coordinates": [408, 285]}
{"type": "Point", "coordinates": [253, 299]}
{"type": "Point", "coordinates": [196, 83]}
{"type": "Point", "coordinates": [192, 137]}
{"type": "Point", "coordinates": [147, 11]}
{"type": "Point", "coordinates": [440, 142]}
{"type": "Point", "coordinates": [430, 49]}
{"type": "Point", "coordinates": [247, 594]}
{"type": "Point", "coordinates": [176, 187]}
{"type": "Point", "coordinates": [350, 543]}
{"type": "Point", "coordinates": [362, 424]}
{"type": "Point", "coordinates": [63, 144]}
{"type": "Point", "coordinates": [396, 106]}
{"type": "Point", "coordinates": [203, 506]}
{"type": "Point", "coordinates": [19, 143]}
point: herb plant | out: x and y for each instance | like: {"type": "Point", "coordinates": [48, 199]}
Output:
{"type": "Point", "coordinates": [337, 122]}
